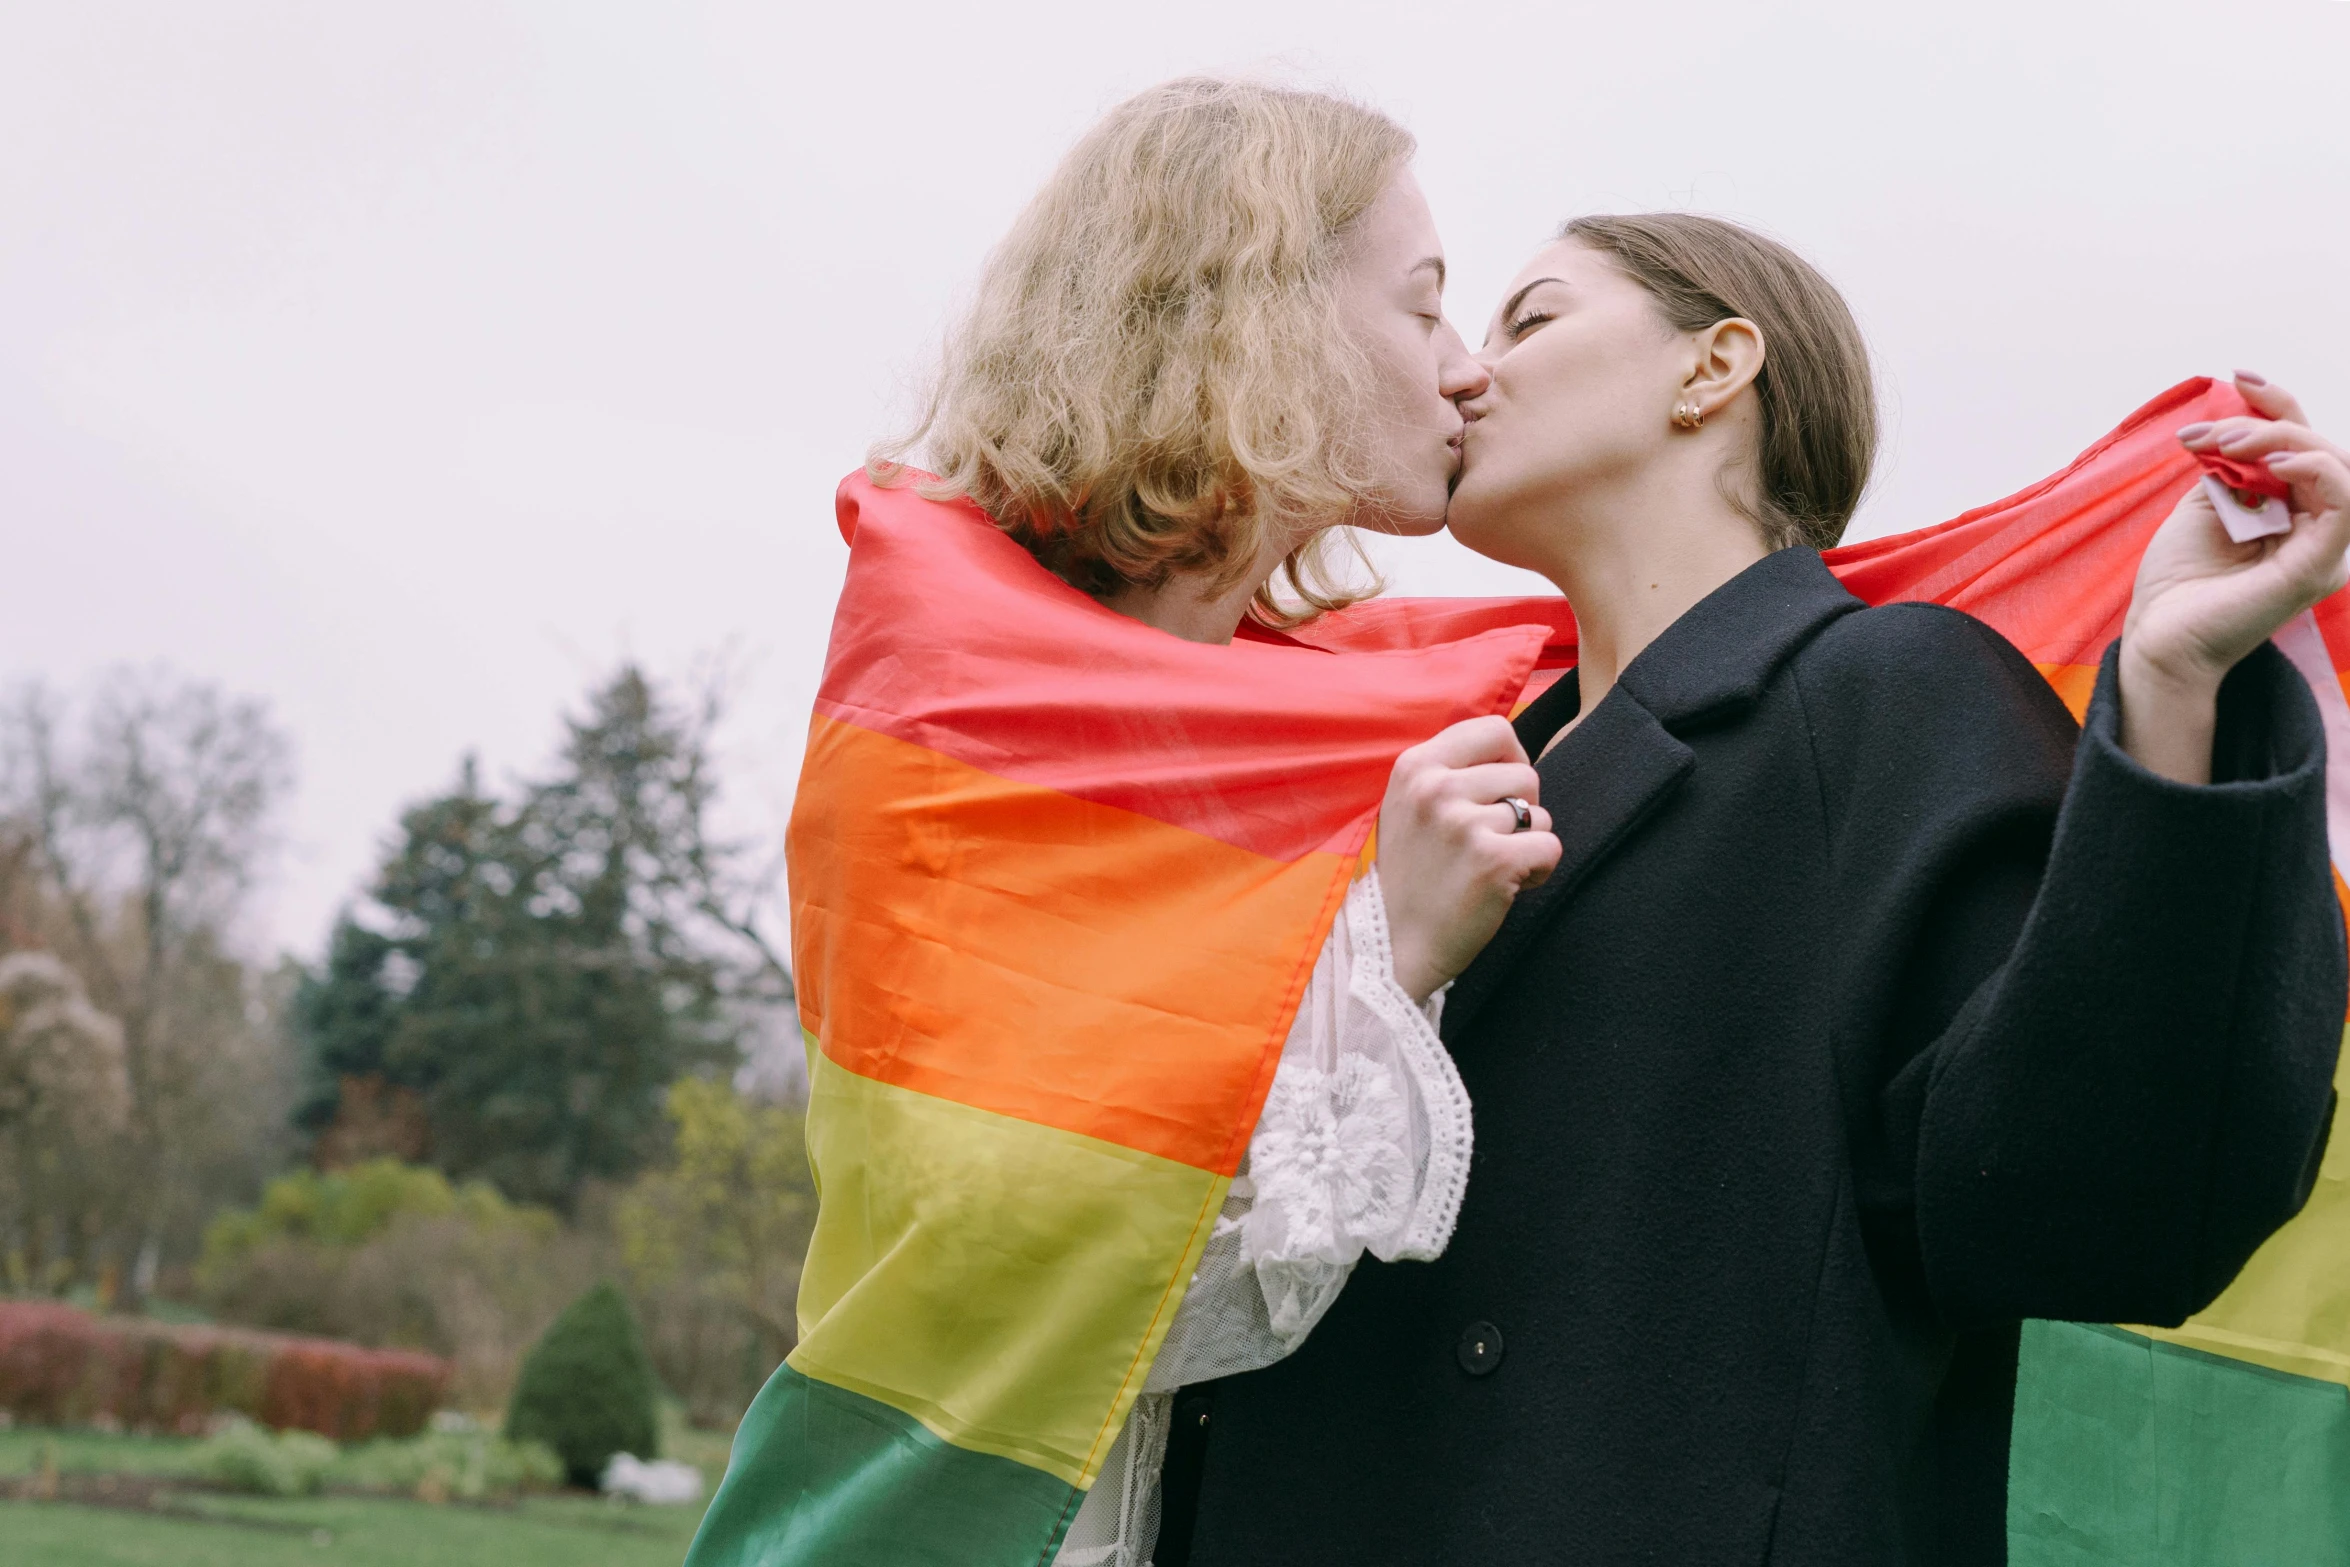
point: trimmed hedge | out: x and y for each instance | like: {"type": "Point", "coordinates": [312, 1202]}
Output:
{"type": "Point", "coordinates": [62, 1366]}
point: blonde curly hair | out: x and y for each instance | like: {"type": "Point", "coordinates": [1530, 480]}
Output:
{"type": "Point", "coordinates": [1155, 374]}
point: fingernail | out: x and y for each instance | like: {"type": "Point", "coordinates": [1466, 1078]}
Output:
{"type": "Point", "coordinates": [2249, 379]}
{"type": "Point", "coordinates": [2195, 432]}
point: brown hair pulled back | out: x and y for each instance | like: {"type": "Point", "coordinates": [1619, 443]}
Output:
{"type": "Point", "coordinates": [1819, 405]}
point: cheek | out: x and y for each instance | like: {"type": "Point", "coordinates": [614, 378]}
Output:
{"type": "Point", "coordinates": [1558, 419]}
{"type": "Point", "coordinates": [1405, 375]}
{"type": "Point", "coordinates": [1573, 410]}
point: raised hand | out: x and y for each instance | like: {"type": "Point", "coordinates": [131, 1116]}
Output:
{"type": "Point", "coordinates": [2203, 601]}
{"type": "Point", "coordinates": [1451, 857]}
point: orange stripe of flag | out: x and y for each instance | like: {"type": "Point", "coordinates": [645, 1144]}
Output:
{"type": "Point", "coordinates": [1065, 962]}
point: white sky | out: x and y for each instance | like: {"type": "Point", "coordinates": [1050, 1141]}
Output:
{"type": "Point", "coordinates": [408, 364]}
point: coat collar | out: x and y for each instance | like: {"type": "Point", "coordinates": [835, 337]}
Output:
{"type": "Point", "coordinates": [1626, 760]}
{"type": "Point", "coordinates": [1723, 652]}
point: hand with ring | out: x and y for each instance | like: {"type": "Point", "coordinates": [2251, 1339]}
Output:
{"type": "Point", "coordinates": [1461, 833]}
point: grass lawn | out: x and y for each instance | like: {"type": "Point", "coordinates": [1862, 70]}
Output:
{"type": "Point", "coordinates": [94, 1452]}
{"type": "Point", "coordinates": [348, 1531]}
{"type": "Point", "coordinates": [212, 1529]}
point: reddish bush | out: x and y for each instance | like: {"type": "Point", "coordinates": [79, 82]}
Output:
{"type": "Point", "coordinates": [62, 1366]}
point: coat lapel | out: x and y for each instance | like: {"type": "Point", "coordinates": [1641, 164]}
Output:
{"type": "Point", "coordinates": [1626, 759]}
{"type": "Point", "coordinates": [1616, 768]}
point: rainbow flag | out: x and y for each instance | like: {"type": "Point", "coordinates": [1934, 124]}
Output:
{"type": "Point", "coordinates": [1058, 880]}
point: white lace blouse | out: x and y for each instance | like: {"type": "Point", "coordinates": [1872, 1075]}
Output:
{"type": "Point", "coordinates": [1363, 1146]}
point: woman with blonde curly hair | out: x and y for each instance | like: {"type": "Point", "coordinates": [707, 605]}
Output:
{"type": "Point", "coordinates": [1215, 334]}
{"type": "Point", "coordinates": [1213, 339]}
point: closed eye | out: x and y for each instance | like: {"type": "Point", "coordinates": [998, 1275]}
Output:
{"type": "Point", "coordinates": [1525, 323]}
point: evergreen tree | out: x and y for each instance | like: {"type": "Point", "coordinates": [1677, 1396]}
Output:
{"type": "Point", "coordinates": [538, 973]}
{"type": "Point", "coordinates": [346, 1011]}
{"type": "Point", "coordinates": [586, 1388]}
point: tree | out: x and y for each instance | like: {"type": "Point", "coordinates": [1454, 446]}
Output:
{"type": "Point", "coordinates": [136, 835]}
{"type": "Point", "coordinates": [62, 1086]}
{"type": "Point", "coordinates": [59, 1056]}
{"type": "Point", "coordinates": [714, 1243]}
{"type": "Point", "coordinates": [537, 973]}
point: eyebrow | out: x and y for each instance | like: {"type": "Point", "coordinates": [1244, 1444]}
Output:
{"type": "Point", "coordinates": [1437, 262]}
{"type": "Point", "coordinates": [1519, 297]}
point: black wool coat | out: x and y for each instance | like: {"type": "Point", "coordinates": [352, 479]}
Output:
{"type": "Point", "coordinates": [1872, 1008]}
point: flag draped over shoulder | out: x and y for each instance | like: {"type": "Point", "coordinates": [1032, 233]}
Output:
{"type": "Point", "coordinates": [2226, 1440]}
{"type": "Point", "coordinates": [1058, 881]}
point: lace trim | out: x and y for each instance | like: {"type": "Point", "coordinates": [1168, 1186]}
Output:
{"type": "Point", "coordinates": [1329, 1173]}
{"type": "Point", "coordinates": [1133, 1525]}
{"type": "Point", "coordinates": [1444, 1099]}
{"type": "Point", "coordinates": [1332, 1162]}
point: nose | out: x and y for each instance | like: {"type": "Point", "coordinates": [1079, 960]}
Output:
{"type": "Point", "coordinates": [1463, 375]}
{"type": "Point", "coordinates": [1473, 383]}
{"type": "Point", "coordinates": [1472, 402]}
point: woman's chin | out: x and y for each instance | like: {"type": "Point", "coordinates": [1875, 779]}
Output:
{"type": "Point", "coordinates": [1472, 515]}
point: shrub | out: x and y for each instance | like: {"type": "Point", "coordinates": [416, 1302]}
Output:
{"type": "Point", "coordinates": [437, 1466]}
{"type": "Point", "coordinates": [350, 1393]}
{"type": "Point", "coordinates": [63, 1366]}
{"type": "Point", "coordinates": [353, 1206]}
{"type": "Point", "coordinates": [246, 1458]}
{"type": "Point", "coordinates": [392, 1255]}
{"type": "Point", "coordinates": [586, 1388]}
{"type": "Point", "coordinates": [469, 1466]}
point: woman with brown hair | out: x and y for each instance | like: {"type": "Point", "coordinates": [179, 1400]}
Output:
{"type": "Point", "coordinates": [1871, 1008]}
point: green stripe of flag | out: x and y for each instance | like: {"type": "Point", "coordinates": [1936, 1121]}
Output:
{"type": "Point", "coordinates": [2132, 1451]}
{"type": "Point", "coordinates": [823, 1475]}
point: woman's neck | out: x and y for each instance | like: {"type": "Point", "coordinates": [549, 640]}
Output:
{"type": "Point", "coordinates": [1193, 607]}
{"type": "Point", "coordinates": [1634, 561]}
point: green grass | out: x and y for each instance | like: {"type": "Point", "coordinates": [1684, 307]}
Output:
{"type": "Point", "coordinates": [95, 1453]}
{"type": "Point", "coordinates": [210, 1529]}
{"type": "Point", "coordinates": [347, 1532]}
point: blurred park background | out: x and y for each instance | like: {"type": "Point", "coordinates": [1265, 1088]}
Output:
{"type": "Point", "coordinates": [502, 1182]}
{"type": "Point", "coordinates": [417, 434]}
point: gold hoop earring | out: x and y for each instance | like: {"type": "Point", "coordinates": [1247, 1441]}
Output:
{"type": "Point", "coordinates": [1687, 416]}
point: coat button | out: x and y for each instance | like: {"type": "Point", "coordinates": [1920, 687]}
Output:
{"type": "Point", "coordinates": [1480, 1349]}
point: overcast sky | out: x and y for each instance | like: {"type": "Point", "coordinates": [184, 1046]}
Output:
{"type": "Point", "coordinates": [408, 365]}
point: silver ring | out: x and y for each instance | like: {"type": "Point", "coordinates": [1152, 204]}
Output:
{"type": "Point", "coordinates": [1523, 811]}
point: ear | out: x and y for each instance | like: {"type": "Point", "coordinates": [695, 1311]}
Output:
{"type": "Point", "coordinates": [1729, 356]}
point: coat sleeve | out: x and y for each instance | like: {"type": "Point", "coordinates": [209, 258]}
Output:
{"type": "Point", "coordinates": [2109, 1046]}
